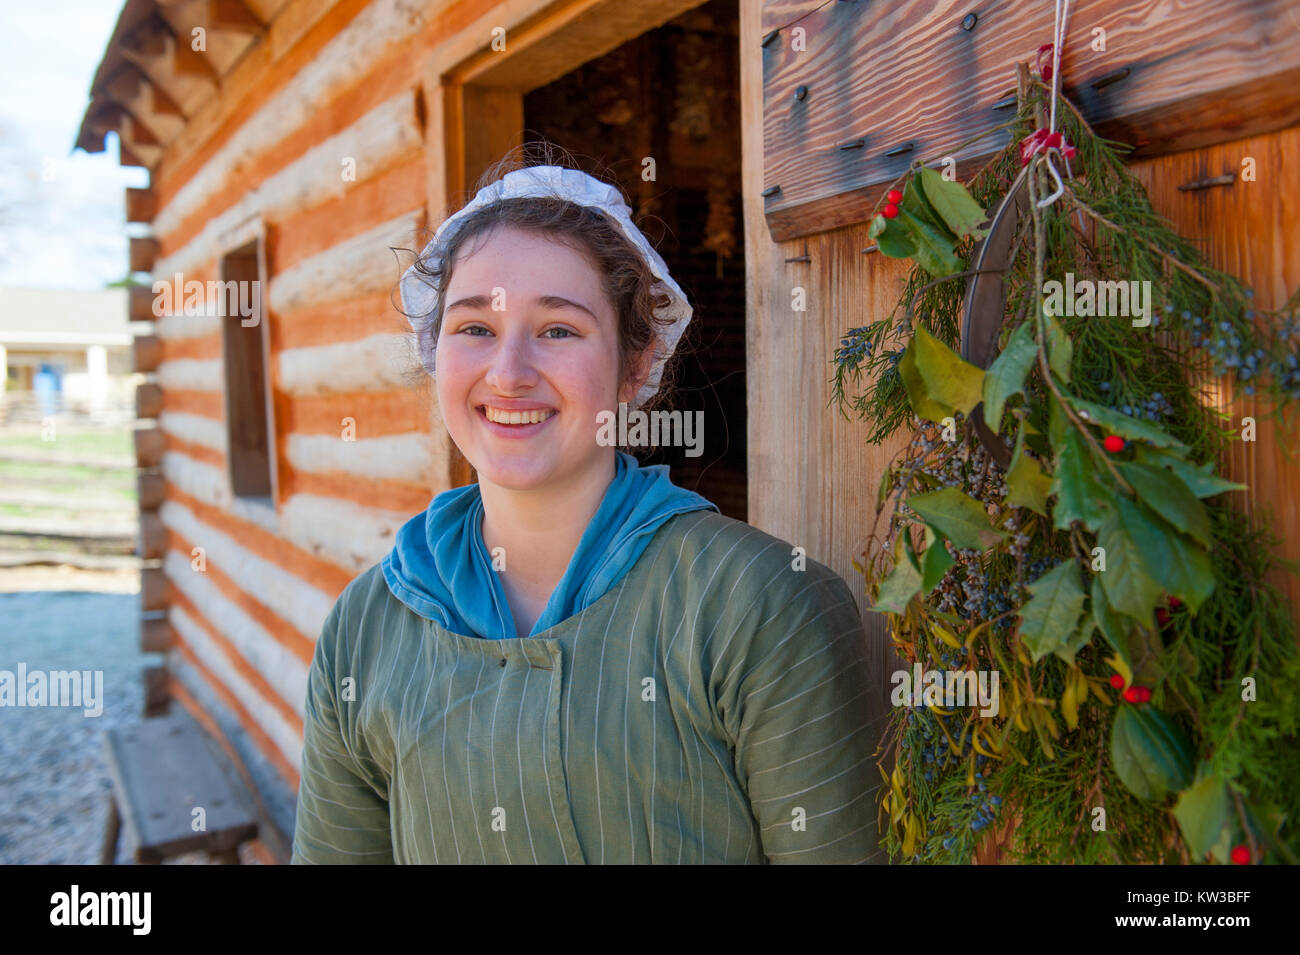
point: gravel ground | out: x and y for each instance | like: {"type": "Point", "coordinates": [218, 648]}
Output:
{"type": "Point", "coordinates": [54, 782]}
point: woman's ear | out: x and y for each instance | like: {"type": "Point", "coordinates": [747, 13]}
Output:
{"type": "Point", "coordinates": [642, 362]}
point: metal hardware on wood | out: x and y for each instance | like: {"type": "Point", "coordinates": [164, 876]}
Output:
{"type": "Point", "coordinates": [800, 258]}
{"type": "Point", "coordinates": [770, 37]}
{"type": "Point", "coordinates": [1109, 78]}
{"type": "Point", "coordinates": [1006, 102]}
{"type": "Point", "coordinates": [801, 93]}
{"type": "Point", "coordinates": [856, 144]}
{"type": "Point", "coordinates": [871, 248]}
{"type": "Point", "coordinates": [968, 22]}
{"type": "Point", "coordinates": [899, 150]}
{"type": "Point", "coordinates": [1225, 180]}
{"type": "Point", "coordinates": [770, 191]}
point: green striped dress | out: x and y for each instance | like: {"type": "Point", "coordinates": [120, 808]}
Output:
{"type": "Point", "coordinates": [711, 707]}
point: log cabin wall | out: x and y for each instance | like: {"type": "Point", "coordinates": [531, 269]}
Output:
{"type": "Point", "coordinates": [308, 151]}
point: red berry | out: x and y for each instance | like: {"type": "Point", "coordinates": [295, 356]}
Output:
{"type": "Point", "coordinates": [1132, 695]}
{"type": "Point", "coordinates": [1117, 681]}
{"type": "Point", "coordinates": [1144, 694]}
{"type": "Point", "coordinates": [1114, 443]}
{"type": "Point", "coordinates": [1162, 616]}
{"type": "Point", "coordinates": [894, 195]}
{"type": "Point", "coordinates": [1174, 603]}
{"type": "Point", "coordinates": [891, 211]}
{"type": "Point", "coordinates": [1241, 855]}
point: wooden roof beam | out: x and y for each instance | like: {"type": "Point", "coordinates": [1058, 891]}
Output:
{"type": "Point", "coordinates": [155, 51]}
{"type": "Point", "coordinates": [234, 16]}
{"type": "Point", "coordinates": [189, 62]}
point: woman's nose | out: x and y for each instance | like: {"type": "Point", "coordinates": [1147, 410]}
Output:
{"type": "Point", "coordinates": [511, 367]}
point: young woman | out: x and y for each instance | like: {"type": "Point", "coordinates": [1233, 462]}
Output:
{"type": "Point", "coordinates": [575, 660]}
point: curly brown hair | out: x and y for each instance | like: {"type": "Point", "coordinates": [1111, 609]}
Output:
{"type": "Point", "coordinates": [633, 291]}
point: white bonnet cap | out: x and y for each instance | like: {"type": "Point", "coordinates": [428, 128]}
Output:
{"type": "Point", "coordinates": [419, 290]}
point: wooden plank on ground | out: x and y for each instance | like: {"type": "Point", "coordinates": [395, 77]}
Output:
{"type": "Point", "coordinates": [165, 768]}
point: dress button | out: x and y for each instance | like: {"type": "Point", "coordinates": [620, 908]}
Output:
{"type": "Point", "coordinates": [503, 661]}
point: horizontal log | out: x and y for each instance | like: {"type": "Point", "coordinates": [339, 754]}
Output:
{"type": "Point", "coordinates": [156, 694]}
{"type": "Point", "coordinates": [140, 304]}
{"type": "Point", "coordinates": [151, 541]}
{"type": "Point", "coordinates": [841, 120]}
{"type": "Point", "coordinates": [156, 636]}
{"type": "Point", "coordinates": [146, 353]}
{"type": "Point", "coordinates": [377, 140]}
{"type": "Point", "coordinates": [359, 265]}
{"type": "Point", "coordinates": [143, 250]}
{"type": "Point", "coordinates": [148, 447]}
{"type": "Point", "coordinates": [150, 490]}
{"type": "Point", "coordinates": [153, 588]}
{"type": "Point", "coordinates": [141, 205]}
{"type": "Point", "coordinates": [148, 400]}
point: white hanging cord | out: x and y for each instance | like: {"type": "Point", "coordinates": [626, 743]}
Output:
{"type": "Point", "coordinates": [1058, 40]}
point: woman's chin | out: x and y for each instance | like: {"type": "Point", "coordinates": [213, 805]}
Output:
{"type": "Point", "coordinates": [519, 473]}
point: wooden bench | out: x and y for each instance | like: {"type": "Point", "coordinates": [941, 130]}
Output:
{"type": "Point", "coordinates": [163, 769]}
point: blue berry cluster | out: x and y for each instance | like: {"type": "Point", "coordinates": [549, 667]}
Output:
{"type": "Point", "coordinates": [1228, 352]}
{"type": "Point", "coordinates": [854, 347]}
{"type": "Point", "coordinates": [986, 806]}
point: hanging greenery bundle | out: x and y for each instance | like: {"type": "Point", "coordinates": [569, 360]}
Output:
{"type": "Point", "coordinates": [1056, 548]}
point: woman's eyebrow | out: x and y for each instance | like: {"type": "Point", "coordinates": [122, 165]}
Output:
{"type": "Point", "coordinates": [546, 301]}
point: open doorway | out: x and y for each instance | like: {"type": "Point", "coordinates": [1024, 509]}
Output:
{"type": "Point", "coordinates": [672, 94]}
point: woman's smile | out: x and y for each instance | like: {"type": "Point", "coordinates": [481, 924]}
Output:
{"type": "Point", "coordinates": [514, 423]}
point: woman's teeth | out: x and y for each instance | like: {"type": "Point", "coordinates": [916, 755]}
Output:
{"type": "Point", "coordinates": [516, 417]}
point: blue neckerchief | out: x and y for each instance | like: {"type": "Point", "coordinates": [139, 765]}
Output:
{"type": "Point", "coordinates": [440, 567]}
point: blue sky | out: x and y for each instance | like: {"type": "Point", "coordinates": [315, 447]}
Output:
{"type": "Point", "coordinates": [61, 212]}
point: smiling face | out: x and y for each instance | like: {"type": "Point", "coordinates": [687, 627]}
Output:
{"type": "Point", "coordinates": [520, 384]}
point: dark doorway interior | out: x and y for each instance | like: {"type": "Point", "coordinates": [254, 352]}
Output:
{"type": "Point", "coordinates": [672, 95]}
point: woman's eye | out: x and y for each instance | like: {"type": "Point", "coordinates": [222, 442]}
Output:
{"type": "Point", "coordinates": [564, 331]}
{"type": "Point", "coordinates": [471, 329]}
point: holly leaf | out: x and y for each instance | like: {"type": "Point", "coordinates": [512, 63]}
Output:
{"type": "Point", "coordinates": [1164, 492]}
{"type": "Point", "coordinates": [933, 245]}
{"type": "Point", "coordinates": [1202, 812]}
{"type": "Point", "coordinates": [938, 381]}
{"type": "Point", "coordinates": [958, 517]}
{"type": "Point", "coordinates": [1060, 350]}
{"type": "Point", "coordinates": [1027, 485]}
{"type": "Point", "coordinates": [903, 582]}
{"type": "Point", "coordinates": [1132, 428]}
{"type": "Point", "coordinates": [1109, 624]}
{"type": "Point", "coordinates": [1150, 753]}
{"type": "Point", "coordinates": [1006, 376]}
{"type": "Point", "coordinates": [953, 204]}
{"type": "Point", "coordinates": [1051, 615]}
{"type": "Point", "coordinates": [1072, 645]}
{"type": "Point", "coordinates": [1180, 566]}
{"type": "Point", "coordinates": [878, 224]}
{"type": "Point", "coordinates": [1128, 581]}
{"type": "Point", "coordinates": [935, 561]}
{"type": "Point", "coordinates": [1079, 495]}
{"type": "Point", "coordinates": [1187, 572]}
{"type": "Point", "coordinates": [895, 241]}
{"type": "Point", "coordinates": [1199, 478]}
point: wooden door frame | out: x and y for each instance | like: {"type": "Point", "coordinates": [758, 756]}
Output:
{"type": "Point", "coordinates": [469, 78]}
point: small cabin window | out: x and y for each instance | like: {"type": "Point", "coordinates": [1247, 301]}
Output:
{"type": "Point", "coordinates": [245, 344]}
